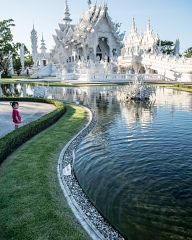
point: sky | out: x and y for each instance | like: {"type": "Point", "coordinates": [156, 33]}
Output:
{"type": "Point", "coordinates": [171, 19]}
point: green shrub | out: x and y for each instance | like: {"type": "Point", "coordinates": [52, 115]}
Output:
{"type": "Point", "coordinates": [179, 85]}
{"type": "Point", "coordinates": [16, 138]}
{"type": "Point", "coordinates": [5, 76]}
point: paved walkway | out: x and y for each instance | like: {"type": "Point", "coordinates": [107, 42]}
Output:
{"type": "Point", "coordinates": [28, 111]}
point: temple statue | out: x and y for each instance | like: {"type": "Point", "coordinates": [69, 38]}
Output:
{"type": "Point", "coordinates": [22, 58]}
{"type": "Point", "coordinates": [10, 64]}
{"type": "Point", "coordinates": [177, 48]}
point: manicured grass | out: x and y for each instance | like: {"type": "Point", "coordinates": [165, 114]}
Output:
{"type": "Point", "coordinates": [14, 79]}
{"type": "Point", "coordinates": [32, 205]}
{"type": "Point", "coordinates": [179, 87]}
{"type": "Point", "coordinates": [185, 88]}
{"type": "Point", "coordinates": [84, 84]}
{"type": "Point", "coordinates": [8, 81]}
{"type": "Point", "coordinates": [59, 84]}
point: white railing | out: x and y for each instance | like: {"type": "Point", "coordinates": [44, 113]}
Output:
{"type": "Point", "coordinates": [112, 77]}
{"type": "Point", "coordinates": [125, 77]}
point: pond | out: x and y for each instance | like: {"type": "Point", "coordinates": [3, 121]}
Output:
{"type": "Point", "coordinates": [136, 165]}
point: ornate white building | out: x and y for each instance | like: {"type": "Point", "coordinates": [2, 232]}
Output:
{"type": "Point", "coordinates": [142, 53]}
{"type": "Point", "coordinates": [92, 47]}
{"type": "Point", "coordinates": [96, 35]}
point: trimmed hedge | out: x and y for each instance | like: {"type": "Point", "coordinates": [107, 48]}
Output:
{"type": "Point", "coordinates": [13, 140]}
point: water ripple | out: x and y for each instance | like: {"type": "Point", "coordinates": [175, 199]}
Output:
{"type": "Point", "coordinates": [136, 167]}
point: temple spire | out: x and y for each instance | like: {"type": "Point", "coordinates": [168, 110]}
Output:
{"type": "Point", "coordinates": [133, 27]}
{"type": "Point", "coordinates": [149, 25]}
{"type": "Point", "coordinates": [43, 47]}
{"type": "Point", "coordinates": [34, 43]}
{"type": "Point", "coordinates": [105, 5]}
{"type": "Point", "coordinates": [89, 3]}
{"type": "Point", "coordinates": [67, 14]}
{"type": "Point", "coordinates": [177, 48]}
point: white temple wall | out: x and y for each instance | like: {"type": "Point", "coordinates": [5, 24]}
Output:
{"type": "Point", "coordinates": [103, 26]}
{"type": "Point", "coordinates": [186, 77]}
{"type": "Point", "coordinates": [103, 30]}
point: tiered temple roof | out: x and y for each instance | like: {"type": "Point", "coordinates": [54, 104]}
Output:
{"type": "Point", "coordinates": [69, 35]}
{"type": "Point", "coordinates": [133, 38]}
{"type": "Point", "coordinates": [149, 39]}
{"type": "Point", "coordinates": [135, 42]}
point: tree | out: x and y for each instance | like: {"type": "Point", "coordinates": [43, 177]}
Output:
{"type": "Point", "coordinates": [16, 57]}
{"type": "Point", "coordinates": [6, 43]}
{"type": "Point", "coordinates": [28, 60]}
{"type": "Point", "coordinates": [167, 47]}
{"type": "Point", "coordinates": [188, 53]}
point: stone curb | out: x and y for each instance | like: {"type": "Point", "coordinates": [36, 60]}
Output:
{"type": "Point", "coordinates": [82, 218]}
{"type": "Point", "coordinates": [88, 216]}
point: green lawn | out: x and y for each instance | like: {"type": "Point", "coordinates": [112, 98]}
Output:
{"type": "Point", "coordinates": [185, 88]}
{"type": "Point", "coordinates": [14, 79]}
{"type": "Point", "coordinates": [179, 87]}
{"type": "Point", "coordinates": [57, 84]}
{"type": "Point", "coordinates": [32, 205]}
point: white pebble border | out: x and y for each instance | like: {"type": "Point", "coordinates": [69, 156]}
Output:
{"type": "Point", "coordinates": [91, 220]}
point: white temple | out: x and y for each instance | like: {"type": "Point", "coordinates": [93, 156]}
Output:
{"type": "Point", "coordinates": [95, 35]}
{"type": "Point", "coordinates": [95, 49]}
{"type": "Point", "coordinates": [142, 54]}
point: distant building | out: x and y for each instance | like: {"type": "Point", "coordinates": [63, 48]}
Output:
{"type": "Point", "coordinates": [40, 58]}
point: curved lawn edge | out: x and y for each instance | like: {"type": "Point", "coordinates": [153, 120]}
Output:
{"type": "Point", "coordinates": [32, 205]}
{"type": "Point", "coordinates": [179, 87]}
{"type": "Point", "coordinates": [87, 214]}
{"type": "Point", "coordinates": [75, 207]}
{"type": "Point", "coordinates": [14, 139]}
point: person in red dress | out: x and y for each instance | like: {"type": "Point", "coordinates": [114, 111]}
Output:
{"type": "Point", "coordinates": [15, 114]}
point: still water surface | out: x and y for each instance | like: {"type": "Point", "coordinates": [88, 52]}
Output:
{"type": "Point", "coordinates": [136, 165]}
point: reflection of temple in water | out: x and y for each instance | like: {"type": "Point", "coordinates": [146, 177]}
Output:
{"type": "Point", "coordinates": [138, 112]}
{"type": "Point", "coordinates": [70, 94]}
{"type": "Point", "coordinates": [1, 91]}
{"type": "Point", "coordinates": [89, 96]}
{"type": "Point", "coordinates": [16, 90]}
{"type": "Point", "coordinates": [103, 97]}
{"type": "Point", "coordinates": [145, 112]}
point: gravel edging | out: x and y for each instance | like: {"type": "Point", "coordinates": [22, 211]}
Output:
{"type": "Point", "coordinates": [88, 216]}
